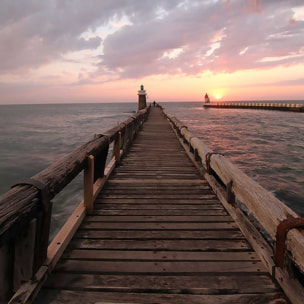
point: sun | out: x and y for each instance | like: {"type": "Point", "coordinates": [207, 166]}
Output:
{"type": "Point", "coordinates": [218, 96]}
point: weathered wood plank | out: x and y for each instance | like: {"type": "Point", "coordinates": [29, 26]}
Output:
{"type": "Point", "coordinates": [89, 266]}
{"type": "Point", "coordinates": [176, 182]}
{"type": "Point", "coordinates": [156, 234]}
{"type": "Point", "coordinates": [90, 297]}
{"type": "Point", "coordinates": [182, 245]}
{"type": "Point", "coordinates": [205, 199]}
{"type": "Point", "coordinates": [155, 191]}
{"type": "Point", "coordinates": [123, 206]}
{"type": "Point", "coordinates": [207, 284]}
{"type": "Point", "coordinates": [159, 196]}
{"type": "Point", "coordinates": [158, 212]}
{"type": "Point", "coordinates": [158, 226]}
{"type": "Point", "coordinates": [61, 240]}
{"type": "Point", "coordinates": [165, 218]}
{"type": "Point", "coordinates": [134, 255]}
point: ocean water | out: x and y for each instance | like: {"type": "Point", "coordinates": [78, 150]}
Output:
{"type": "Point", "coordinates": [267, 145]}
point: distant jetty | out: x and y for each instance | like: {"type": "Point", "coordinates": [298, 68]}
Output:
{"type": "Point", "coordinates": [250, 105]}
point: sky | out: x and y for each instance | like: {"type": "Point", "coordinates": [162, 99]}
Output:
{"type": "Point", "coordinates": [62, 51]}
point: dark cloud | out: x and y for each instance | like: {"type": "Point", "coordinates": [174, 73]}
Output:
{"type": "Point", "coordinates": [162, 37]}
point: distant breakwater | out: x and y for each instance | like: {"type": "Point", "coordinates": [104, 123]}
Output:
{"type": "Point", "coordinates": [250, 105]}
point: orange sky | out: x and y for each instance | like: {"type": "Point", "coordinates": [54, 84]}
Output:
{"type": "Point", "coordinates": [103, 52]}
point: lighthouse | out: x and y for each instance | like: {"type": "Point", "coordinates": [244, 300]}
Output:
{"type": "Point", "coordinates": [207, 100]}
{"type": "Point", "coordinates": [142, 98]}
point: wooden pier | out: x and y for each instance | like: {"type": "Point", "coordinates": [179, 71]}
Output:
{"type": "Point", "coordinates": [256, 105]}
{"type": "Point", "coordinates": [161, 224]}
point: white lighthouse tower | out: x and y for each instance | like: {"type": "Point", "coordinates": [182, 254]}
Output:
{"type": "Point", "coordinates": [142, 100]}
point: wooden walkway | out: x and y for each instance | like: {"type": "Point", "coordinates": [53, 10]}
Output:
{"type": "Point", "coordinates": [159, 234]}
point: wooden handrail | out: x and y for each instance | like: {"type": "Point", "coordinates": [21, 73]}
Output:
{"type": "Point", "coordinates": [265, 207]}
{"type": "Point", "coordinates": [20, 207]}
{"type": "Point", "coordinates": [21, 199]}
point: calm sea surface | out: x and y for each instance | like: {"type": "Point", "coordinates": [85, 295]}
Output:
{"type": "Point", "coordinates": [267, 145]}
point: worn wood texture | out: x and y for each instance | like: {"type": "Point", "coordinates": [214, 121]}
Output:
{"type": "Point", "coordinates": [263, 205]}
{"type": "Point", "coordinates": [158, 234]}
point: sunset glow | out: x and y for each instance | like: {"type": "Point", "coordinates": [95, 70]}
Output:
{"type": "Point", "coordinates": [102, 52]}
{"type": "Point", "coordinates": [218, 96]}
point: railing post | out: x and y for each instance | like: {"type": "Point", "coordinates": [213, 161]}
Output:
{"type": "Point", "coordinates": [88, 184]}
{"type": "Point", "coordinates": [6, 273]}
{"type": "Point", "coordinates": [116, 148]}
{"type": "Point", "coordinates": [24, 254]}
{"type": "Point", "coordinates": [100, 162]}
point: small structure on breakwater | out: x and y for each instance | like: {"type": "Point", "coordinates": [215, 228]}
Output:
{"type": "Point", "coordinates": [254, 105]}
{"type": "Point", "coordinates": [207, 99]}
{"type": "Point", "coordinates": [142, 98]}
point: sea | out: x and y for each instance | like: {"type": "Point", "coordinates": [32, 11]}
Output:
{"type": "Point", "coordinates": [267, 145]}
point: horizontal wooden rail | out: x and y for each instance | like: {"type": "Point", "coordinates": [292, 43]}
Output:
{"type": "Point", "coordinates": [265, 207]}
{"type": "Point", "coordinates": [22, 212]}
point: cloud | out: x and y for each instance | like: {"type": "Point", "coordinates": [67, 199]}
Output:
{"type": "Point", "coordinates": [160, 37]}
{"type": "Point", "coordinates": [212, 36]}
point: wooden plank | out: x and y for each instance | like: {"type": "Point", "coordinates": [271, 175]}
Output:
{"type": "Point", "coordinates": [88, 266]}
{"type": "Point", "coordinates": [185, 245]}
{"type": "Point", "coordinates": [156, 234]}
{"type": "Point", "coordinates": [165, 218]}
{"type": "Point", "coordinates": [146, 175]}
{"type": "Point", "coordinates": [90, 297]}
{"type": "Point", "coordinates": [160, 196]}
{"type": "Point", "coordinates": [133, 255]}
{"type": "Point", "coordinates": [158, 226]}
{"type": "Point", "coordinates": [62, 239]}
{"type": "Point", "coordinates": [205, 199]}
{"type": "Point", "coordinates": [111, 187]}
{"type": "Point", "coordinates": [152, 181]}
{"type": "Point", "coordinates": [169, 207]}
{"type": "Point", "coordinates": [167, 191]}
{"type": "Point", "coordinates": [158, 212]}
{"type": "Point", "coordinates": [195, 284]}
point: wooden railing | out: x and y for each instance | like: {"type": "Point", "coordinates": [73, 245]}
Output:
{"type": "Point", "coordinates": [25, 210]}
{"type": "Point", "coordinates": [284, 259]}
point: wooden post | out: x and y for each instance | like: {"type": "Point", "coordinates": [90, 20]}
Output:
{"type": "Point", "coordinates": [116, 148]}
{"type": "Point", "coordinates": [24, 254]}
{"type": "Point", "coordinates": [88, 185]}
{"type": "Point", "coordinates": [6, 273]}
